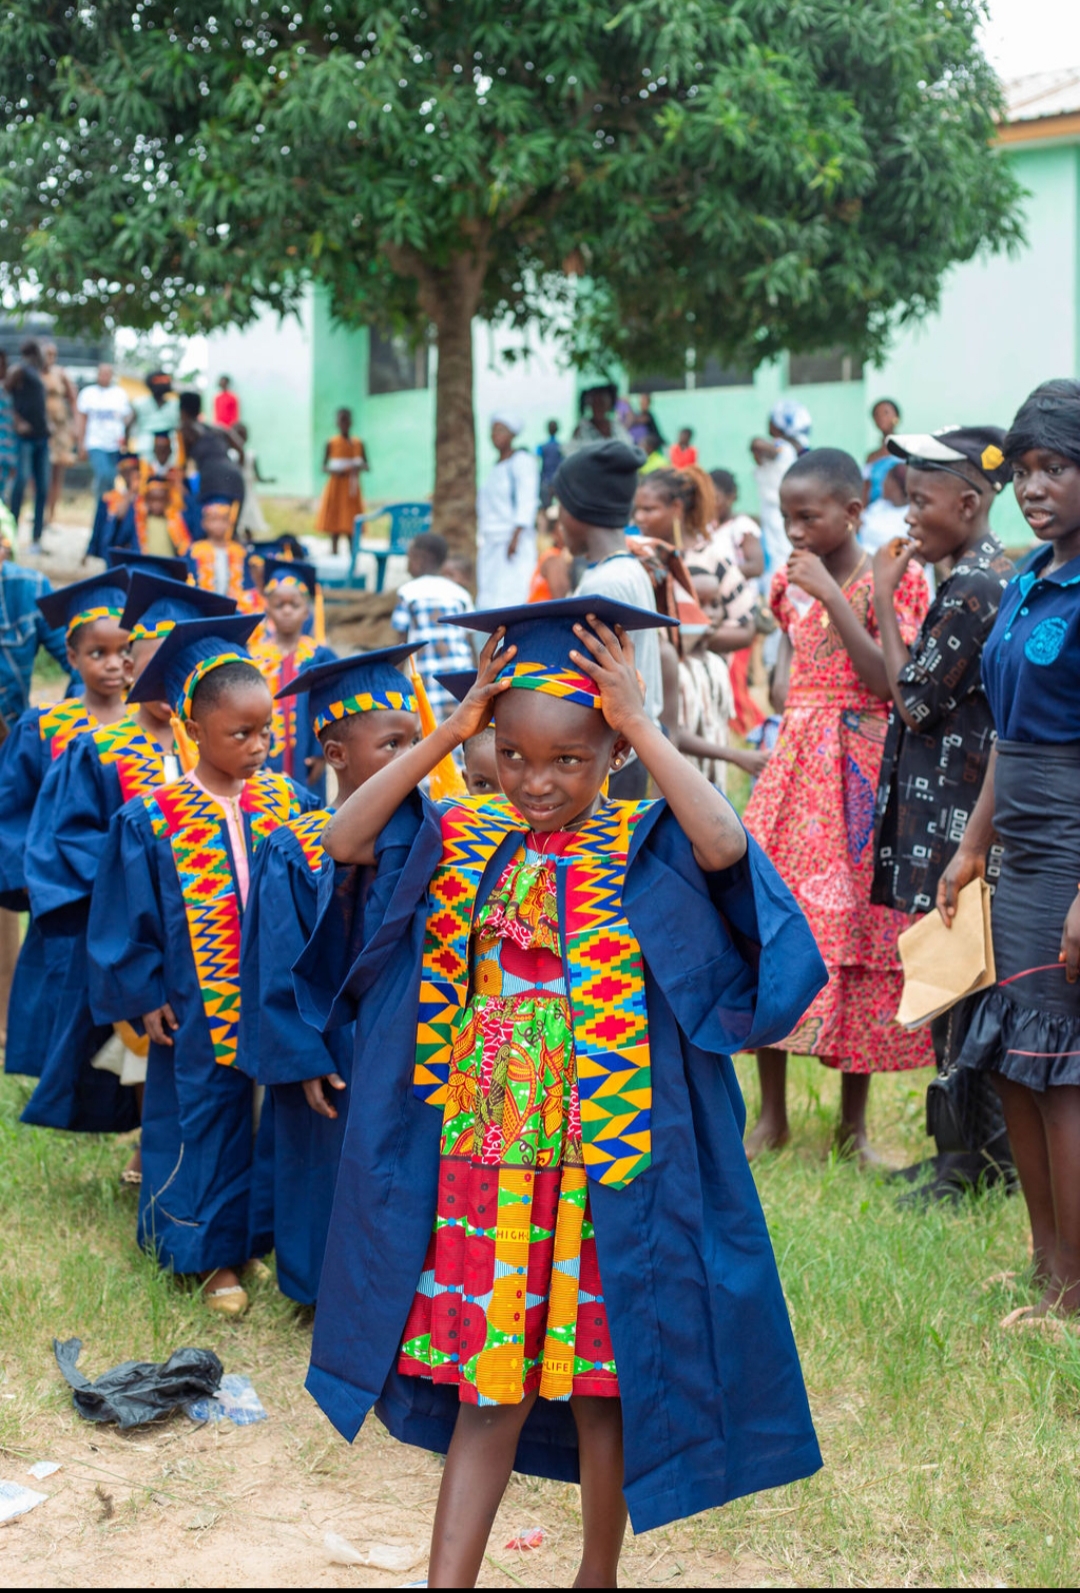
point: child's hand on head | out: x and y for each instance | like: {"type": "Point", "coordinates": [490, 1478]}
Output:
{"type": "Point", "coordinates": [807, 571]}
{"type": "Point", "coordinates": [475, 710]}
{"type": "Point", "coordinates": [612, 666]}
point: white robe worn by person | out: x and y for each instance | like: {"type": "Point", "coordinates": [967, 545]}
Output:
{"type": "Point", "coordinates": [509, 498]}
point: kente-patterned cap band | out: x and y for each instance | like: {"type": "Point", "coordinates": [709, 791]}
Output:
{"type": "Point", "coordinates": [276, 582]}
{"type": "Point", "coordinates": [151, 633]}
{"type": "Point", "coordinates": [569, 684]}
{"type": "Point", "coordinates": [88, 616]}
{"type": "Point", "coordinates": [201, 670]}
{"type": "Point", "coordinates": [400, 701]}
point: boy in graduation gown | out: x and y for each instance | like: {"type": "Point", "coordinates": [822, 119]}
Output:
{"type": "Point", "coordinates": [103, 769]}
{"type": "Point", "coordinates": [164, 946]}
{"type": "Point", "coordinates": [153, 521]}
{"type": "Point", "coordinates": [668, 968]}
{"type": "Point", "coordinates": [289, 592]}
{"type": "Point", "coordinates": [90, 613]}
{"type": "Point", "coordinates": [217, 560]}
{"type": "Point", "coordinates": [364, 715]}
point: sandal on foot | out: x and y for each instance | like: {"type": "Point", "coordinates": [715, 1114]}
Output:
{"type": "Point", "coordinates": [131, 1177]}
{"type": "Point", "coordinates": [1000, 1280]}
{"type": "Point", "coordinates": [257, 1269]}
{"type": "Point", "coordinates": [229, 1301]}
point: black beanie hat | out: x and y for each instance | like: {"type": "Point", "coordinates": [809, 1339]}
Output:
{"type": "Point", "coordinates": [597, 483]}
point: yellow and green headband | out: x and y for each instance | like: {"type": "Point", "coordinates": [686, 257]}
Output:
{"type": "Point", "coordinates": [400, 701]}
{"type": "Point", "coordinates": [89, 616]}
{"type": "Point", "coordinates": [151, 633]}
{"type": "Point", "coordinates": [201, 670]}
{"type": "Point", "coordinates": [569, 684]}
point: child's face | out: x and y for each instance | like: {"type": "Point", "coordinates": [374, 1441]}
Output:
{"type": "Point", "coordinates": [363, 744]}
{"type": "Point", "coordinates": [101, 653]}
{"type": "Point", "coordinates": [481, 771]}
{"type": "Point", "coordinates": [217, 522]}
{"type": "Point", "coordinates": [288, 608]}
{"type": "Point", "coordinates": [1047, 488]}
{"type": "Point", "coordinates": [142, 652]}
{"type": "Point", "coordinates": [551, 757]}
{"type": "Point", "coordinates": [234, 735]}
{"type": "Point", "coordinates": [886, 418]}
{"type": "Point", "coordinates": [684, 438]}
{"type": "Point", "coordinates": [157, 497]}
{"type": "Point", "coordinates": [344, 420]}
{"type": "Point", "coordinates": [707, 592]}
{"type": "Point", "coordinates": [653, 516]}
{"type": "Point", "coordinates": [162, 450]}
{"type": "Point", "coordinates": [129, 472]}
{"type": "Point", "coordinates": [815, 520]}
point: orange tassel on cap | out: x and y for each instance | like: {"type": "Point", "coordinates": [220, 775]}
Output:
{"type": "Point", "coordinates": [445, 779]}
{"type": "Point", "coordinates": [186, 750]}
{"type": "Point", "coordinates": [319, 621]}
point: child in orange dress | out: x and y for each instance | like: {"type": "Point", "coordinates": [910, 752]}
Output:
{"type": "Point", "coordinates": [813, 807]}
{"type": "Point", "coordinates": [343, 460]}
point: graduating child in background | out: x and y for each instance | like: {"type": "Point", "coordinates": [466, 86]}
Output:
{"type": "Point", "coordinates": [289, 590]}
{"type": "Point", "coordinates": [218, 561]}
{"type": "Point", "coordinates": [546, 1248]}
{"type": "Point", "coordinates": [103, 769]}
{"type": "Point", "coordinates": [364, 715]}
{"type": "Point", "coordinates": [97, 650]}
{"type": "Point", "coordinates": [153, 522]}
{"type": "Point", "coordinates": [481, 772]}
{"type": "Point", "coordinates": [164, 946]}
{"type": "Point", "coordinates": [813, 808]}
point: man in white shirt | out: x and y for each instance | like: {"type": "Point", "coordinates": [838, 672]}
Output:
{"type": "Point", "coordinates": [506, 507]}
{"type": "Point", "coordinates": [595, 489]}
{"type": "Point", "coordinates": [103, 415]}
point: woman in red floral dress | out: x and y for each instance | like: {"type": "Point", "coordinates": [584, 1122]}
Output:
{"type": "Point", "coordinates": [813, 808]}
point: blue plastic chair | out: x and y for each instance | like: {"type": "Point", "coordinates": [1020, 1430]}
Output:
{"type": "Point", "coordinates": [407, 520]}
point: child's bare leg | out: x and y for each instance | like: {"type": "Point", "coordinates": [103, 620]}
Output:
{"type": "Point", "coordinates": [603, 1508]}
{"type": "Point", "coordinates": [1027, 1136]}
{"type": "Point", "coordinates": [771, 1129]}
{"type": "Point", "coordinates": [1060, 1109]}
{"type": "Point", "coordinates": [478, 1467]}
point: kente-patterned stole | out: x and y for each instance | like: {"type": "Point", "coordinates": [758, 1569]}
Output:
{"type": "Point", "coordinates": [267, 657]}
{"type": "Point", "coordinates": [175, 525]}
{"type": "Point", "coordinates": [308, 829]}
{"type": "Point", "coordinates": [605, 975]}
{"type": "Point", "coordinates": [138, 761]}
{"type": "Point", "coordinates": [62, 722]}
{"type": "Point", "coordinates": [195, 827]}
{"type": "Point", "coordinates": [203, 555]}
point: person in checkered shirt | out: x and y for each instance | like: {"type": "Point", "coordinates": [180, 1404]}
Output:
{"type": "Point", "coordinates": [422, 605]}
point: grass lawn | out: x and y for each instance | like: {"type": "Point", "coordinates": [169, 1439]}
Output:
{"type": "Point", "coordinates": [950, 1448]}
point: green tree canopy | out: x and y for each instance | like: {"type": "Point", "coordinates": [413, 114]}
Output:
{"type": "Point", "coordinates": [729, 176]}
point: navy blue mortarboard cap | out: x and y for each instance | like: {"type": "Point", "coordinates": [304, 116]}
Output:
{"type": "Point", "coordinates": [544, 637]}
{"type": "Point", "coordinates": [458, 682]}
{"type": "Point", "coordinates": [126, 558]}
{"type": "Point", "coordinates": [99, 597]}
{"type": "Point", "coordinates": [155, 604]}
{"type": "Point", "coordinates": [356, 685]}
{"type": "Point", "coordinates": [277, 570]}
{"type": "Point", "coordinates": [168, 677]}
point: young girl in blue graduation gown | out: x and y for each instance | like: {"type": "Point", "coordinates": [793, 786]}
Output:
{"type": "Point", "coordinates": [547, 1251]}
{"type": "Point", "coordinates": [290, 591]}
{"type": "Point", "coordinates": [38, 744]}
{"type": "Point", "coordinates": [104, 769]}
{"type": "Point", "coordinates": [164, 945]}
{"type": "Point", "coordinates": [363, 715]}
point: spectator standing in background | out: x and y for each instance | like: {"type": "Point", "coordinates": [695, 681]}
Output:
{"type": "Point", "coordinates": [423, 602]}
{"type": "Point", "coordinates": [9, 442]}
{"type": "Point", "coordinates": [30, 419]}
{"type": "Point", "coordinates": [683, 452]}
{"type": "Point", "coordinates": [885, 517]}
{"type": "Point", "coordinates": [551, 457]}
{"type": "Point", "coordinates": [344, 457]}
{"type": "Point", "coordinates": [789, 436]}
{"type": "Point", "coordinates": [156, 412]}
{"type": "Point", "coordinates": [60, 399]}
{"type": "Point", "coordinates": [506, 508]}
{"type": "Point", "coordinates": [644, 425]}
{"type": "Point", "coordinates": [879, 461]}
{"type": "Point", "coordinates": [226, 403]}
{"type": "Point", "coordinates": [598, 422]}
{"type": "Point", "coordinates": [104, 415]}
{"type": "Point", "coordinates": [735, 537]}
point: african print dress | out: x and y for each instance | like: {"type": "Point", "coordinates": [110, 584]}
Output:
{"type": "Point", "coordinates": [813, 812]}
{"type": "Point", "coordinates": [510, 1299]}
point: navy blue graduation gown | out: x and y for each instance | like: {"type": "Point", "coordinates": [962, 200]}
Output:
{"type": "Point", "coordinates": [25, 760]}
{"type": "Point", "coordinates": [306, 742]}
{"type": "Point", "coordinates": [297, 1151]}
{"type": "Point", "coordinates": [713, 1399]}
{"type": "Point", "coordinates": [64, 849]}
{"type": "Point", "coordinates": [198, 1119]}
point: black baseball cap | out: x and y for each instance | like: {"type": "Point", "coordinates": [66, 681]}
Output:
{"type": "Point", "coordinates": [981, 446]}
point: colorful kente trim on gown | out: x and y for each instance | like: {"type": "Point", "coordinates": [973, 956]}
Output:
{"type": "Point", "coordinates": [510, 1298]}
{"type": "Point", "coordinates": [62, 722]}
{"type": "Point", "coordinates": [139, 762]}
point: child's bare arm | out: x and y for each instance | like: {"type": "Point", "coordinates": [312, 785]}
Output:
{"type": "Point", "coordinates": [707, 818]}
{"type": "Point", "coordinates": [352, 832]}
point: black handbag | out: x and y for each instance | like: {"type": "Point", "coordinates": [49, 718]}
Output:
{"type": "Point", "coordinates": [963, 1110]}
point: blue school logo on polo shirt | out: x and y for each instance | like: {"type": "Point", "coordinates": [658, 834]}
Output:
{"type": "Point", "coordinates": [1046, 640]}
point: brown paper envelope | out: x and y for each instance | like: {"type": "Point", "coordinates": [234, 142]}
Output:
{"type": "Point", "coordinates": [943, 965]}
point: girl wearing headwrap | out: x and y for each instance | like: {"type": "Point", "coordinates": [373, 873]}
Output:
{"type": "Point", "coordinates": [1025, 1030]}
{"type": "Point", "coordinates": [506, 507]}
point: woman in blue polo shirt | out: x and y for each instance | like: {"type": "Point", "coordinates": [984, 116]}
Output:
{"type": "Point", "coordinates": [1026, 1031]}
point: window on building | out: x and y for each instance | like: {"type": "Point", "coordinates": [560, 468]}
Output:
{"type": "Point", "coordinates": [713, 373]}
{"type": "Point", "coordinates": [826, 365]}
{"type": "Point", "coordinates": [394, 366]}
{"type": "Point", "coordinates": [656, 384]}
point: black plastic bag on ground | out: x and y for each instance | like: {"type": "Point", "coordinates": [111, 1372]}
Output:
{"type": "Point", "coordinates": [138, 1391]}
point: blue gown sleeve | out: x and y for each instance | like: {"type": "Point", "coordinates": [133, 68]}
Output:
{"type": "Point", "coordinates": [66, 838]}
{"type": "Point", "coordinates": [276, 1045]}
{"type": "Point", "coordinates": [126, 932]}
{"type": "Point", "coordinates": [732, 952]}
{"type": "Point", "coordinates": [22, 762]}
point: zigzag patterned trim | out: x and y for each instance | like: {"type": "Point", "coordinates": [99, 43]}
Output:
{"type": "Point", "coordinates": [60, 724]}
{"type": "Point", "coordinates": [268, 657]}
{"type": "Point", "coordinates": [139, 762]}
{"type": "Point", "coordinates": [308, 829]}
{"type": "Point", "coordinates": [194, 826]}
{"type": "Point", "coordinates": [604, 969]}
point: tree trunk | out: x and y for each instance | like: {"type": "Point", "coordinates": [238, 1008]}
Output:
{"type": "Point", "coordinates": [450, 296]}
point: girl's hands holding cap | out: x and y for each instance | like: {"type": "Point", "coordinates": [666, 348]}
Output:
{"type": "Point", "coordinates": [611, 665]}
